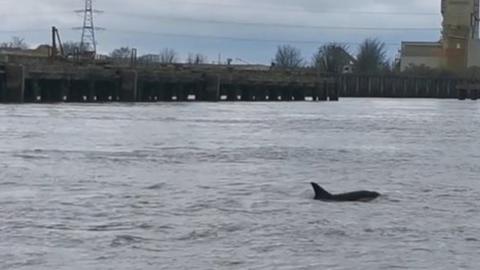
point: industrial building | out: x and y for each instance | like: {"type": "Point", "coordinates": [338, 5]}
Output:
{"type": "Point", "coordinates": [459, 46]}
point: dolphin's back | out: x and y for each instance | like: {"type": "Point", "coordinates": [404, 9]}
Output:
{"type": "Point", "coordinates": [320, 193]}
{"type": "Point", "coordinates": [363, 196]}
{"type": "Point", "coordinates": [357, 196]}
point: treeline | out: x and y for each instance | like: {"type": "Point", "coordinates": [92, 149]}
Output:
{"type": "Point", "coordinates": [123, 54]}
{"type": "Point", "coordinates": [166, 56]}
{"type": "Point", "coordinates": [335, 58]}
{"type": "Point", "coordinates": [370, 59]}
{"type": "Point", "coordinates": [332, 58]}
{"type": "Point", "coordinates": [15, 43]}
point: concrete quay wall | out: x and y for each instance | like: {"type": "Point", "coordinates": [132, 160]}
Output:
{"type": "Point", "coordinates": [63, 83]}
{"type": "Point", "coordinates": [92, 83]}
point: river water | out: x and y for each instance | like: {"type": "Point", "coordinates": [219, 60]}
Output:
{"type": "Point", "coordinates": [226, 185]}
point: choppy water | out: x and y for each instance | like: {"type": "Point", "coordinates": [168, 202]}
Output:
{"type": "Point", "coordinates": [225, 186]}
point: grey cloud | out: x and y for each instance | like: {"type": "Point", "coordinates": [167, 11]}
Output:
{"type": "Point", "coordinates": [143, 24]}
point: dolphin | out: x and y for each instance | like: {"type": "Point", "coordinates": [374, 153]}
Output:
{"type": "Point", "coordinates": [357, 196]}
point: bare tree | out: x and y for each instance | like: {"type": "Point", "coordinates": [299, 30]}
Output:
{"type": "Point", "coordinates": [15, 43]}
{"type": "Point", "coordinates": [196, 59]}
{"type": "Point", "coordinates": [149, 59]}
{"type": "Point", "coordinates": [332, 58]}
{"type": "Point", "coordinates": [168, 56]}
{"type": "Point", "coordinates": [288, 57]}
{"type": "Point", "coordinates": [371, 57]}
{"type": "Point", "coordinates": [70, 47]}
{"type": "Point", "coordinates": [121, 53]}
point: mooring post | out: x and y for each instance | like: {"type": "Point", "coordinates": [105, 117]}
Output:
{"type": "Point", "coordinates": [284, 92]}
{"type": "Point", "coordinates": [295, 90]}
{"type": "Point", "coordinates": [415, 80]}
{"type": "Point", "coordinates": [180, 92]}
{"type": "Point", "coordinates": [322, 93]}
{"type": "Point", "coordinates": [369, 78]}
{"type": "Point", "coordinates": [357, 86]}
{"type": "Point", "coordinates": [65, 90]}
{"type": "Point", "coordinates": [247, 92]}
{"type": "Point", "coordinates": [462, 94]}
{"type": "Point", "coordinates": [427, 86]}
{"type": "Point", "coordinates": [2, 88]}
{"type": "Point", "coordinates": [231, 92]}
{"type": "Point", "coordinates": [333, 90]}
{"type": "Point", "coordinates": [128, 85]}
{"type": "Point", "coordinates": [15, 83]}
{"type": "Point", "coordinates": [143, 89]}
{"type": "Point", "coordinates": [345, 85]}
{"type": "Point", "coordinates": [449, 87]}
{"type": "Point", "coordinates": [36, 91]}
{"type": "Point", "coordinates": [212, 88]}
{"type": "Point", "coordinates": [438, 87]}
{"type": "Point", "coordinates": [91, 94]}
{"type": "Point", "coordinates": [394, 87]}
{"type": "Point", "coordinates": [474, 94]}
{"type": "Point", "coordinates": [382, 86]}
{"type": "Point", "coordinates": [260, 92]}
{"type": "Point", "coordinates": [163, 92]}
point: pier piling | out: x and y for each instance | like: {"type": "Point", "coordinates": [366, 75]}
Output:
{"type": "Point", "coordinates": [128, 85]}
{"type": "Point", "coordinates": [212, 88]}
{"type": "Point", "coordinates": [61, 82]}
{"type": "Point", "coordinates": [15, 83]}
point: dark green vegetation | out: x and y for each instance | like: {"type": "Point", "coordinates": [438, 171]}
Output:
{"type": "Point", "coordinates": [336, 58]}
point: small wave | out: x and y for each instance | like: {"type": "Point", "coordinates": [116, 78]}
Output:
{"type": "Point", "coordinates": [8, 183]}
{"type": "Point", "coordinates": [164, 227]}
{"type": "Point", "coordinates": [336, 232]}
{"type": "Point", "coordinates": [30, 157]}
{"type": "Point", "coordinates": [57, 227]}
{"type": "Point", "coordinates": [445, 195]}
{"type": "Point", "coordinates": [125, 240]}
{"type": "Point", "coordinates": [397, 267]}
{"type": "Point", "coordinates": [198, 207]}
{"type": "Point", "coordinates": [205, 187]}
{"type": "Point", "coordinates": [231, 228]}
{"type": "Point", "coordinates": [422, 250]}
{"type": "Point", "coordinates": [156, 186]}
{"type": "Point", "coordinates": [323, 222]}
{"type": "Point", "coordinates": [117, 227]}
{"type": "Point", "coordinates": [196, 235]}
{"type": "Point", "coordinates": [268, 248]}
{"type": "Point", "coordinates": [231, 263]}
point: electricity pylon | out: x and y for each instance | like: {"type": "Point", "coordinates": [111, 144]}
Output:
{"type": "Point", "coordinates": [88, 43]}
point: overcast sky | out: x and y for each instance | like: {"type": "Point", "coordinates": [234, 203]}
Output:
{"type": "Point", "coordinates": [247, 29]}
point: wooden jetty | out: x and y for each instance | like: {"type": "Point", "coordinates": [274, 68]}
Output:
{"type": "Point", "coordinates": [399, 86]}
{"type": "Point", "coordinates": [93, 83]}
{"type": "Point", "coordinates": [468, 91]}
{"type": "Point", "coordinates": [66, 81]}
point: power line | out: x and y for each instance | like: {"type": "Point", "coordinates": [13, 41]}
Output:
{"type": "Point", "coordinates": [281, 25]}
{"type": "Point", "coordinates": [33, 30]}
{"type": "Point", "coordinates": [256, 24]}
{"type": "Point", "coordinates": [240, 39]}
{"type": "Point", "coordinates": [346, 13]}
{"type": "Point", "coordinates": [278, 25]}
{"type": "Point", "coordinates": [88, 42]}
{"type": "Point", "coordinates": [285, 8]}
{"type": "Point", "coordinates": [305, 10]}
{"type": "Point", "coordinates": [200, 36]}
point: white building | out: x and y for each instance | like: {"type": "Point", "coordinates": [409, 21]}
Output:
{"type": "Point", "coordinates": [459, 46]}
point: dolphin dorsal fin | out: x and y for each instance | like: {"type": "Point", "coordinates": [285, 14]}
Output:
{"type": "Point", "coordinates": [320, 193]}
